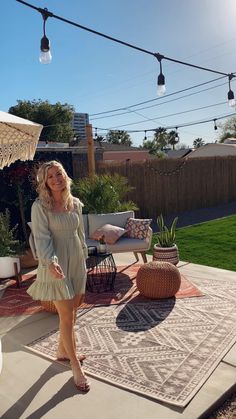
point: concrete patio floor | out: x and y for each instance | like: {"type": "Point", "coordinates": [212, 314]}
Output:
{"type": "Point", "coordinates": [34, 387]}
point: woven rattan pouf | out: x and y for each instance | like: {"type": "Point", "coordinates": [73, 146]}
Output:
{"type": "Point", "coordinates": [158, 280]}
{"type": "Point", "coordinates": [49, 306]}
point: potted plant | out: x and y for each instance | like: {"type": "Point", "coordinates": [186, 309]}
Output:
{"type": "Point", "coordinates": [9, 246]}
{"type": "Point", "coordinates": [166, 248]}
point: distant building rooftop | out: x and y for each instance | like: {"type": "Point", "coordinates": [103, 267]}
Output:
{"type": "Point", "coordinates": [178, 154]}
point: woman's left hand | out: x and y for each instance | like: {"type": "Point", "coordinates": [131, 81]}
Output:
{"type": "Point", "coordinates": [56, 270]}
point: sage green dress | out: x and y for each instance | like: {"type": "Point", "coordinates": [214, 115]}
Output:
{"type": "Point", "coordinates": [58, 236]}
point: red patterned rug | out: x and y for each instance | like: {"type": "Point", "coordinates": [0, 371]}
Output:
{"type": "Point", "coordinates": [125, 289]}
{"type": "Point", "coordinates": [15, 301]}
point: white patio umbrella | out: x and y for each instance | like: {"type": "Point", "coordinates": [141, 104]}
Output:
{"type": "Point", "coordinates": [18, 138]}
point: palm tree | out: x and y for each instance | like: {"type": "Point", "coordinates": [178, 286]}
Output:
{"type": "Point", "coordinates": [173, 138]}
{"type": "Point", "coordinates": [198, 142]}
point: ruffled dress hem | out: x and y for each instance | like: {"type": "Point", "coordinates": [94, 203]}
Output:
{"type": "Point", "coordinates": [57, 289]}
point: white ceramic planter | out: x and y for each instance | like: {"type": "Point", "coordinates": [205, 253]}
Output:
{"type": "Point", "coordinates": [7, 266]}
{"type": "Point", "coordinates": [166, 254]}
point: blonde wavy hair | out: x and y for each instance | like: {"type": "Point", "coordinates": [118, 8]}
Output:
{"type": "Point", "coordinates": [44, 192]}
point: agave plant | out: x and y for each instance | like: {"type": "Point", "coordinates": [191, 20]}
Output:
{"type": "Point", "coordinates": [166, 237]}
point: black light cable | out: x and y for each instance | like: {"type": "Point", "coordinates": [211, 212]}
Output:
{"type": "Point", "coordinates": [187, 124]}
{"type": "Point", "coordinates": [168, 95]}
{"type": "Point", "coordinates": [158, 56]}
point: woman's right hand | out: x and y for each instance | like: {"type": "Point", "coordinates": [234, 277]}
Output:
{"type": "Point", "coordinates": [56, 270]}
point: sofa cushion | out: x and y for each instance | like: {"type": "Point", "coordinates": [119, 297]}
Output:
{"type": "Point", "coordinates": [111, 233]}
{"type": "Point", "coordinates": [124, 244]}
{"type": "Point", "coordinates": [119, 219]}
{"type": "Point", "coordinates": [137, 228]}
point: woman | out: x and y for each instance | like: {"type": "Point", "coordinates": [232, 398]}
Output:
{"type": "Point", "coordinates": [57, 227]}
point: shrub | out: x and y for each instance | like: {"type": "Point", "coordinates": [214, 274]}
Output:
{"type": "Point", "coordinates": [8, 243]}
{"type": "Point", "coordinates": [103, 193]}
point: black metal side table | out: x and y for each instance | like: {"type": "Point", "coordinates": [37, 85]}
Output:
{"type": "Point", "coordinates": [101, 272]}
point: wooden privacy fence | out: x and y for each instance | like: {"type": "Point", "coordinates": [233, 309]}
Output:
{"type": "Point", "coordinates": [170, 186]}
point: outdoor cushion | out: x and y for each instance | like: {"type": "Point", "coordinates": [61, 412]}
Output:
{"type": "Point", "coordinates": [119, 219]}
{"type": "Point", "coordinates": [124, 244]}
{"type": "Point", "coordinates": [110, 232]}
{"type": "Point", "coordinates": [137, 228]}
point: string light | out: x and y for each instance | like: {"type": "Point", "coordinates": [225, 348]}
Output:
{"type": "Point", "coordinates": [145, 135]}
{"type": "Point", "coordinates": [45, 53]}
{"type": "Point", "coordinates": [96, 132]}
{"type": "Point", "coordinates": [161, 88]}
{"type": "Point", "coordinates": [231, 99]}
{"type": "Point", "coordinates": [176, 135]}
{"type": "Point", "coordinates": [215, 126]}
{"type": "Point", "coordinates": [170, 127]}
{"type": "Point", "coordinates": [45, 48]}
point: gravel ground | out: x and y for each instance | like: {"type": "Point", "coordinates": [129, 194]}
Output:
{"type": "Point", "coordinates": [227, 410]}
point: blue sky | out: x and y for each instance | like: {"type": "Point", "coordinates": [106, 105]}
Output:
{"type": "Point", "coordinates": [95, 75]}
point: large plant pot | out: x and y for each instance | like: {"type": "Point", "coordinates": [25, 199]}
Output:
{"type": "Point", "coordinates": [7, 266]}
{"type": "Point", "coordinates": [166, 254]}
{"type": "Point", "coordinates": [27, 260]}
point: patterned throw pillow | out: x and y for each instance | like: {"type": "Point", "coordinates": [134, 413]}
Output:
{"type": "Point", "coordinates": [111, 233]}
{"type": "Point", "coordinates": [137, 228]}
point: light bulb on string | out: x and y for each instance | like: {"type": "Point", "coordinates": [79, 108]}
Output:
{"type": "Point", "coordinates": [45, 53]}
{"type": "Point", "coordinates": [161, 88]}
{"type": "Point", "coordinates": [176, 135]}
{"type": "Point", "coordinates": [145, 135]}
{"type": "Point", "coordinates": [231, 100]}
{"type": "Point", "coordinates": [215, 126]}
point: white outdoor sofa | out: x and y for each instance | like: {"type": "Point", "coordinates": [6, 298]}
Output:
{"type": "Point", "coordinates": [125, 244]}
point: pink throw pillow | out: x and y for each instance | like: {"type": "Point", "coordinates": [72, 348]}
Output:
{"type": "Point", "coordinates": [111, 233]}
{"type": "Point", "coordinates": [137, 228]}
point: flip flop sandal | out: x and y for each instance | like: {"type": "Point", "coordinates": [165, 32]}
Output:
{"type": "Point", "coordinates": [84, 387]}
{"type": "Point", "coordinates": [81, 358]}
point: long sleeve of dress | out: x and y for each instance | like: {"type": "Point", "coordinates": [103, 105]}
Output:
{"type": "Point", "coordinates": [42, 236]}
{"type": "Point", "coordinates": [81, 233]}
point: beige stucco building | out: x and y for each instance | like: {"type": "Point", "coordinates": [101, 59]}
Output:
{"type": "Point", "coordinates": [214, 150]}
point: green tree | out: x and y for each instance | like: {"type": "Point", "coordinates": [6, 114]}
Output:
{"type": "Point", "coordinates": [100, 138]}
{"type": "Point", "coordinates": [151, 146]}
{"type": "Point", "coordinates": [228, 129]}
{"type": "Point", "coordinates": [161, 137]}
{"type": "Point", "coordinates": [118, 137]}
{"type": "Point", "coordinates": [55, 118]}
{"type": "Point", "coordinates": [173, 139]}
{"type": "Point", "coordinates": [198, 142]}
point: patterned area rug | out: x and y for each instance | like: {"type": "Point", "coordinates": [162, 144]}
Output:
{"type": "Point", "coordinates": [163, 349]}
{"type": "Point", "coordinates": [15, 301]}
{"type": "Point", "coordinates": [125, 289]}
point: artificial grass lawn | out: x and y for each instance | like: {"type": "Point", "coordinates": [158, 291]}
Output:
{"type": "Point", "coordinates": [211, 243]}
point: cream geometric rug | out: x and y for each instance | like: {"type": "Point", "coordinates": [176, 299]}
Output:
{"type": "Point", "coordinates": [163, 349]}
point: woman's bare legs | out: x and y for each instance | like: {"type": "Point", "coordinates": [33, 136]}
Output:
{"type": "Point", "coordinates": [61, 352]}
{"type": "Point", "coordinates": [65, 310]}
